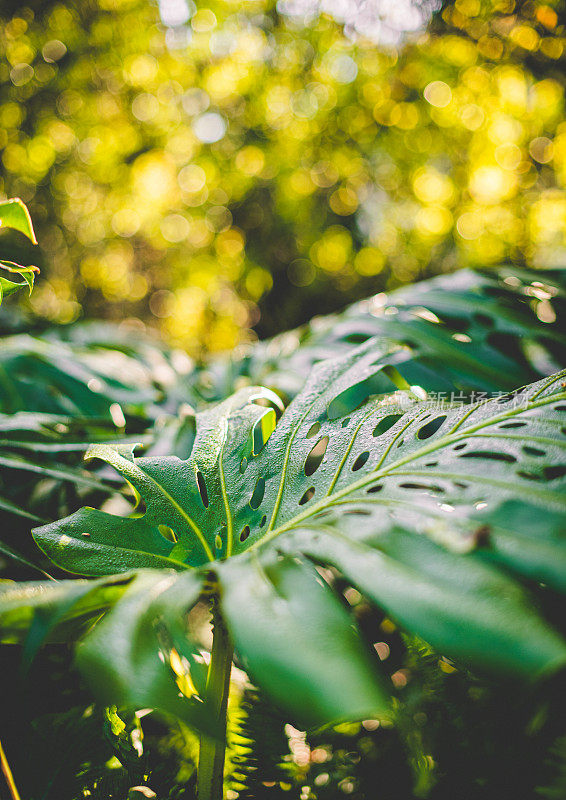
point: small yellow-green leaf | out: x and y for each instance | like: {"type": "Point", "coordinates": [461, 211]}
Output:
{"type": "Point", "coordinates": [14, 214]}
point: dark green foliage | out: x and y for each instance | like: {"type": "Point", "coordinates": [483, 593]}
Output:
{"type": "Point", "coordinates": [444, 514]}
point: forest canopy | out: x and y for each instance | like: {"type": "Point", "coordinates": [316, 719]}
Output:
{"type": "Point", "coordinates": [232, 167]}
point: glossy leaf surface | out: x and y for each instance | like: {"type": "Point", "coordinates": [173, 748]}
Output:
{"type": "Point", "coordinates": [396, 492]}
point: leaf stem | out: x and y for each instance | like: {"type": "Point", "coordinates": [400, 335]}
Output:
{"type": "Point", "coordinates": [210, 778]}
{"type": "Point", "coordinates": [8, 775]}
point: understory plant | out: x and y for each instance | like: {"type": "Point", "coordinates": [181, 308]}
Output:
{"type": "Point", "coordinates": [413, 448]}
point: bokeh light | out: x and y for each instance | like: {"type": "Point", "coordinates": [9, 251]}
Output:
{"type": "Point", "coordinates": [217, 167]}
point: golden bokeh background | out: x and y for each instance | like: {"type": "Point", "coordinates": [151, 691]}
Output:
{"type": "Point", "coordinates": [221, 170]}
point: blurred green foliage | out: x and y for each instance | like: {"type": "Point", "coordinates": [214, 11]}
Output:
{"type": "Point", "coordinates": [235, 166]}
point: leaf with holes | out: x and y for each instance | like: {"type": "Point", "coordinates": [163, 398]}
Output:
{"type": "Point", "coordinates": [469, 331]}
{"type": "Point", "coordinates": [405, 495]}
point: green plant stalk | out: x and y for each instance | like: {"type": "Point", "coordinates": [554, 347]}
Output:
{"type": "Point", "coordinates": [210, 773]}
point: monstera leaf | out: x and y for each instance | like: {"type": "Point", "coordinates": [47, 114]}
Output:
{"type": "Point", "coordinates": [42, 475]}
{"type": "Point", "coordinates": [441, 513]}
{"type": "Point", "coordinates": [13, 277]}
{"type": "Point", "coordinates": [470, 331]}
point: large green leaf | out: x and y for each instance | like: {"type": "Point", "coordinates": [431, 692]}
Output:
{"type": "Point", "coordinates": [473, 331]}
{"type": "Point", "coordinates": [43, 477]}
{"type": "Point", "coordinates": [407, 497]}
{"type": "Point", "coordinates": [79, 380]}
{"type": "Point", "coordinates": [139, 655]}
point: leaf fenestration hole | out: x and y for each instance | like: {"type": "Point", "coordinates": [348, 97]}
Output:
{"type": "Point", "coordinates": [263, 521]}
{"type": "Point", "coordinates": [533, 451]}
{"type": "Point", "coordinates": [218, 542]}
{"type": "Point", "coordinates": [307, 496]}
{"type": "Point", "coordinates": [374, 489]}
{"type": "Point", "coordinates": [168, 533]}
{"type": "Point", "coordinates": [360, 461]}
{"type": "Point", "coordinates": [384, 424]}
{"type": "Point", "coordinates": [428, 487]}
{"type": "Point", "coordinates": [489, 455]}
{"type": "Point", "coordinates": [201, 483]}
{"type": "Point", "coordinates": [243, 465]}
{"type": "Point", "coordinates": [258, 493]}
{"type": "Point", "coordinates": [551, 473]}
{"type": "Point", "coordinates": [460, 446]}
{"type": "Point", "coordinates": [530, 476]}
{"type": "Point", "coordinates": [431, 427]}
{"type": "Point", "coordinates": [314, 458]}
{"type": "Point", "coordinates": [513, 425]}
{"type": "Point", "coordinates": [245, 533]}
{"type": "Point", "coordinates": [313, 430]}
{"type": "Point", "coordinates": [345, 422]}
{"type": "Point", "coordinates": [262, 430]}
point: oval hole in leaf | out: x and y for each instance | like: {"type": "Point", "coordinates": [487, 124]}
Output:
{"type": "Point", "coordinates": [551, 473]}
{"type": "Point", "coordinates": [314, 458]}
{"type": "Point", "coordinates": [243, 465]}
{"type": "Point", "coordinates": [201, 483]}
{"type": "Point", "coordinates": [513, 425]}
{"type": "Point", "coordinates": [530, 476]}
{"type": "Point", "coordinates": [426, 486]}
{"type": "Point", "coordinates": [384, 424]}
{"type": "Point", "coordinates": [490, 455]}
{"type": "Point", "coordinates": [374, 489]}
{"type": "Point", "coordinates": [313, 430]}
{"type": "Point", "coordinates": [356, 337]}
{"type": "Point", "coordinates": [460, 446]}
{"type": "Point", "coordinates": [431, 427]}
{"type": "Point", "coordinates": [307, 496]}
{"type": "Point", "coordinates": [167, 533]}
{"type": "Point", "coordinates": [262, 430]}
{"type": "Point", "coordinates": [218, 542]}
{"type": "Point", "coordinates": [533, 451]}
{"type": "Point", "coordinates": [360, 461]}
{"type": "Point", "coordinates": [263, 521]}
{"type": "Point", "coordinates": [258, 493]}
{"type": "Point", "coordinates": [245, 533]}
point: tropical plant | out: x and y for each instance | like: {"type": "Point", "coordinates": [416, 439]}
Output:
{"type": "Point", "coordinates": [14, 214]}
{"type": "Point", "coordinates": [445, 514]}
{"type": "Point", "coordinates": [471, 331]}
